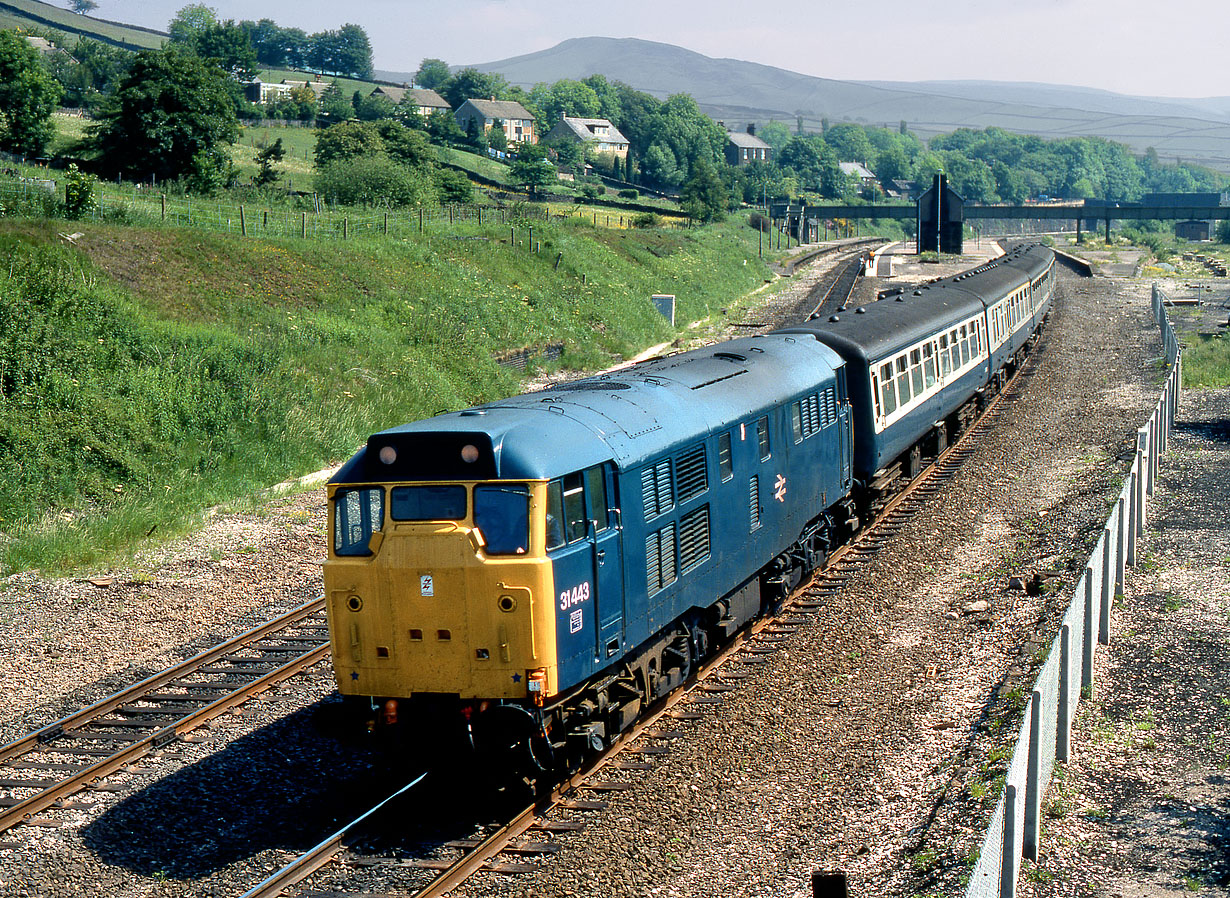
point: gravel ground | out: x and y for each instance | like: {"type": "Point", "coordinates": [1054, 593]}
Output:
{"type": "Point", "coordinates": [869, 743]}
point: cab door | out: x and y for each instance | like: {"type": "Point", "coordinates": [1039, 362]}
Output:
{"type": "Point", "coordinates": [606, 536]}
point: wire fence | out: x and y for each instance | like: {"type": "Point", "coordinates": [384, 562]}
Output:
{"type": "Point", "coordinates": [1067, 675]}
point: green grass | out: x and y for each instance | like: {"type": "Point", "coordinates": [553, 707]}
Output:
{"type": "Point", "coordinates": [1206, 361]}
{"type": "Point", "coordinates": [32, 15]}
{"type": "Point", "coordinates": [299, 144]}
{"type": "Point", "coordinates": [149, 373]}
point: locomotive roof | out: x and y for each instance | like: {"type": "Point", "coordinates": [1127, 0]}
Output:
{"type": "Point", "coordinates": [628, 415]}
{"type": "Point", "coordinates": [882, 328]}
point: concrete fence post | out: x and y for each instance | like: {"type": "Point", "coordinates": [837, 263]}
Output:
{"type": "Point", "coordinates": [1033, 780]}
{"type": "Point", "coordinates": [1133, 511]}
{"type": "Point", "coordinates": [1063, 722]}
{"type": "Point", "coordinates": [1089, 637]}
{"type": "Point", "coordinates": [1120, 545]}
{"type": "Point", "coordinates": [1108, 584]}
{"type": "Point", "coordinates": [1008, 859]}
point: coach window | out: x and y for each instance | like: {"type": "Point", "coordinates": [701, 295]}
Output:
{"type": "Point", "coordinates": [888, 390]}
{"type": "Point", "coordinates": [796, 421]}
{"type": "Point", "coordinates": [929, 365]}
{"type": "Point", "coordinates": [903, 380]}
{"type": "Point", "coordinates": [954, 346]}
{"type": "Point", "coordinates": [945, 367]}
{"type": "Point", "coordinates": [916, 374]}
{"type": "Point", "coordinates": [762, 438]}
{"type": "Point", "coordinates": [964, 344]}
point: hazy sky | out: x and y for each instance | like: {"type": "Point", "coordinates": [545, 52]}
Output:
{"type": "Point", "coordinates": [1179, 48]}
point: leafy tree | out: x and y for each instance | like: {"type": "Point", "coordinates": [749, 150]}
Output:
{"type": "Point", "coordinates": [802, 155]}
{"type": "Point", "coordinates": [705, 197]}
{"type": "Point", "coordinates": [228, 46]}
{"type": "Point", "coordinates": [191, 20]}
{"type": "Point", "coordinates": [891, 164]}
{"type": "Point", "coordinates": [849, 141]}
{"type": "Point", "coordinates": [775, 134]}
{"type": "Point", "coordinates": [373, 180]}
{"type": "Point", "coordinates": [432, 74]}
{"type": "Point", "coordinates": [267, 159]}
{"type": "Point", "coordinates": [28, 96]}
{"type": "Point", "coordinates": [346, 141]}
{"type": "Point", "coordinates": [82, 6]}
{"type": "Point", "coordinates": [496, 138]}
{"type": "Point", "coordinates": [609, 106]}
{"type": "Point", "coordinates": [1223, 230]}
{"type": "Point", "coordinates": [334, 107]}
{"type": "Point", "coordinates": [355, 52]}
{"type": "Point", "coordinates": [471, 84]}
{"type": "Point", "coordinates": [569, 155]}
{"type": "Point", "coordinates": [170, 117]}
{"type": "Point", "coordinates": [89, 70]}
{"type": "Point", "coordinates": [443, 128]}
{"type": "Point", "coordinates": [565, 97]}
{"type": "Point", "coordinates": [374, 107]}
{"type": "Point", "coordinates": [833, 181]}
{"type": "Point", "coordinates": [406, 146]}
{"type": "Point", "coordinates": [79, 196]}
{"type": "Point", "coordinates": [475, 135]}
{"type": "Point", "coordinates": [453, 186]}
{"type": "Point", "coordinates": [660, 166]}
{"type": "Point", "coordinates": [532, 170]}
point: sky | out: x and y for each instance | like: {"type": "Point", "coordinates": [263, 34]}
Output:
{"type": "Point", "coordinates": [1176, 49]}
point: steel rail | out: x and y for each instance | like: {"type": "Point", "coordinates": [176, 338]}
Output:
{"type": "Point", "coordinates": [42, 740]}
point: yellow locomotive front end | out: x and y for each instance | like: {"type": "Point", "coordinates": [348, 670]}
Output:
{"type": "Point", "coordinates": [440, 589]}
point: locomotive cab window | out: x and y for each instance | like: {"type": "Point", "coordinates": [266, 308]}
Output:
{"type": "Point", "coordinates": [428, 503]}
{"type": "Point", "coordinates": [502, 515]}
{"type": "Point", "coordinates": [595, 488]}
{"type": "Point", "coordinates": [725, 462]}
{"type": "Point", "coordinates": [357, 514]}
{"type": "Point", "coordinates": [574, 507]}
{"type": "Point", "coordinates": [762, 438]}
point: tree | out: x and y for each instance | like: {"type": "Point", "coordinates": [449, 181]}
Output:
{"type": "Point", "coordinates": [82, 6]}
{"type": "Point", "coordinates": [28, 96]}
{"type": "Point", "coordinates": [705, 197]}
{"type": "Point", "coordinates": [267, 159]}
{"type": "Point", "coordinates": [189, 21]}
{"type": "Point", "coordinates": [373, 180]}
{"type": "Point", "coordinates": [346, 141]}
{"type": "Point", "coordinates": [565, 97]}
{"type": "Point", "coordinates": [355, 52]}
{"type": "Point", "coordinates": [334, 107]}
{"type": "Point", "coordinates": [532, 170]}
{"type": "Point", "coordinates": [496, 138]}
{"type": "Point", "coordinates": [850, 142]}
{"type": "Point", "coordinates": [775, 134]}
{"type": "Point", "coordinates": [453, 186]}
{"type": "Point", "coordinates": [228, 46]}
{"type": "Point", "coordinates": [443, 128]}
{"type": "Point", "coordinates": [471, 84]}
{"type": "Point", "coordinates": [170, 117]}
{"type": "Point", "coordinates": [407, 147]}
{"type": "Point", "coordinates": [374, 107]}
{"type": "Point", "coordinates": [432, 74]}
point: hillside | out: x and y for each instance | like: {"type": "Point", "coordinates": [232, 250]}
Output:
{"type": "Point", "coordinates": [737, 92]}
{"type": "Point", "coordinates": [147, 374]}
{"type": "Point", "coordinates": [33, 14]}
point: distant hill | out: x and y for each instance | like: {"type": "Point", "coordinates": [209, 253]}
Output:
{"type": "Point", "coordinates": [737, 92]}
{"type": "Point", "coordinates": [33, 14]}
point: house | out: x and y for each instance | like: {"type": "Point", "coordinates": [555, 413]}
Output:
{"type": "Point", "coordinates": [318, 87]}
{"type": "Point", "coordinates": [865, 177]}
{"type": "Point", "coordinates": [515, 119]}
{"type": "Point", "coordinates": [743, 148]}
{"type": "Point", "coordinates": [596, 133]}
{"type": "Point", "coordinates": [899, 188]}
{"type": "Point", "coordinates": [424, 101]}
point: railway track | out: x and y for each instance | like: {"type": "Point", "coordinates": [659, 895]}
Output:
{"type": "Point", "coordinates": [500, 850]}
{"type": "Point", "coordinates": [40, 770]}
{"type": "Point", "coordinates": [839, 290]}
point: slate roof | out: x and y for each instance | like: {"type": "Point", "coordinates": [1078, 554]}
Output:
{"type": "Point", "coordinates": [743, 140]}
{"type": "Point", "coordinates": [581, 128]}
{"type": "Point", "coordinates": [853, 168]}
{"type": "Point", "coordinates": [501, 109]}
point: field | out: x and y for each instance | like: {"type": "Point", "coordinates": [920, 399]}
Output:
{"type": "Point", "coordinates": [31, 14]}
{"type": "Point", "coordinates": [148, 374]}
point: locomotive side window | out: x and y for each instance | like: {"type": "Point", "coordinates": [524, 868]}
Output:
{"type": "Point", "coordinates": [555, 515]}
{"type": "Point", "coordinates": [762, 437]}
{"type": "Point", "coordinates": [428, 503]}
{"type": "Point", "coordinates": [796, 421]}
{"type": "Point", "coordinates": [357, 514]}
{"type": "Point", "coordinates": [595, 486]}
{"type": "Point", "coordinates": [574, 507]}
{"type": "Point", "coordinates": [725, 462]}
{"type": "Point", "coordinates": [502, 515]}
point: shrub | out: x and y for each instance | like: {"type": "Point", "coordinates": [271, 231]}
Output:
{"type": "Point", "coordinates": [454, 187]}
{"type": "Point", "coordinates": [372, 181]}
{"type": "Point", "coordinates": [647, 220]}
{"type": "Point", "coordinates": [629, 194]}
{"type": "Point", "coordinates": [759, 221]}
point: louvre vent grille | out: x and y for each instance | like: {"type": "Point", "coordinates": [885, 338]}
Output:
{"type": "Point", "coordinates": [690, 473]}
{"type": "Point", "coordinates": [694, 538]}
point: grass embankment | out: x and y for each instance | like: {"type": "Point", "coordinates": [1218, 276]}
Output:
{"type": "Point", "coordinates": [147, 374]}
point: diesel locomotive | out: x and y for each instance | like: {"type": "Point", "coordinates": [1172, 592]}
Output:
{"type": "Point", "coordinates": [523, 577]}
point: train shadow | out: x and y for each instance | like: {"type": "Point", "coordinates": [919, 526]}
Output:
{"type": "Point", "coordinates": [289, 785]}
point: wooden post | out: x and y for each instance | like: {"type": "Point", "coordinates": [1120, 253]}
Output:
{"type": "Point", "coordinates": [345, 228]}
{"type": "Point", "coordinates": [386, 223]}
{"type": "Point", "coordinates": [303, 225]}
{"type": "Point", "coordinates": [558, 259]}
{"type": "Point", "coordinates": [243, 222]}
{"type": "Point", "coordinates": [265, 221]}
{"type": "Point", "coordinates": [164, 207]}
{"type": "Point", "coordinates": [420, 221]}
{"type": "Point", "coordinates": [530, 239]}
